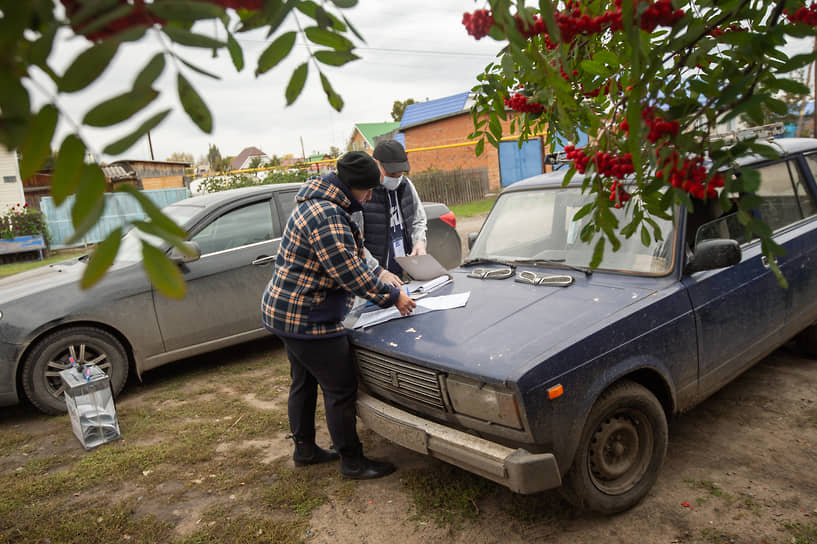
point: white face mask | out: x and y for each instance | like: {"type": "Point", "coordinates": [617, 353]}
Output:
{"type": "Point", "coordinates": [390, 183]}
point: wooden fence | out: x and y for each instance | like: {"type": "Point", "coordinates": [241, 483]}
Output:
{"type": "Point", "coordinates": [451, 187]}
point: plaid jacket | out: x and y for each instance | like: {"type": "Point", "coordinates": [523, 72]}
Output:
{"type": "Point", "coordinates": [320, 265]}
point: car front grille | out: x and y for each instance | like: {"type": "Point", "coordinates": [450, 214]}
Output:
{"type": "Point", "coordinates": [395, 378]}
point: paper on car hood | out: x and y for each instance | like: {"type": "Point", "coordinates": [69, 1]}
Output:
{"type": "Point", "coordinates": [504, 326]}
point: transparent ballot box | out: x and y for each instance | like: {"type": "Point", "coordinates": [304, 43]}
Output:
{"type": "Point", "coordinates": [89, 398]}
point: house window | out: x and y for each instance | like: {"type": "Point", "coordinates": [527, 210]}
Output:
{"type": "Point", "coordinates": [9, 179]}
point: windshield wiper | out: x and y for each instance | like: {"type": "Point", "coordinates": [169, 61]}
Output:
{"type": "Point", "coordinates": [553, 262]}
{"type": "Point", "coordinates": [488, 260]}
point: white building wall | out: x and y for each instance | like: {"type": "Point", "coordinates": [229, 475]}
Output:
{"type": "Point", "coordinates": [11, 187]}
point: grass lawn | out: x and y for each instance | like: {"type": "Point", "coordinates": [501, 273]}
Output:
{"type": "Point", "coordinates": [13, 268]}
{"type": "Point", "coordinates": [475, 207]}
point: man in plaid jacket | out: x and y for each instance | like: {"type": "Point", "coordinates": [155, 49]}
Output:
{"type": "Point", "coordinates": [319, 268]}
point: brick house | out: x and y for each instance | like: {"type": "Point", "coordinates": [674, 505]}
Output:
{"type": "Point", "coordinates": [435, 135]}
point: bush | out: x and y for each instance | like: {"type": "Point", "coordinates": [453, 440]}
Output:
{"type": "Point", "coordinates": [20, 220]}
{"type": "Point", "coordinates": [222, 183]}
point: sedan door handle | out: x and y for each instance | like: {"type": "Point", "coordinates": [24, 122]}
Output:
{"type": "Point", "coordinates": [765, 261]}
{"type": "Point", "coordinates": [264, 259]}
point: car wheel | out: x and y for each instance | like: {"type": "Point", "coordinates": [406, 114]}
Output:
{"type": "Point", "coordinates": [807, 340]}
{"type": "Point", "coordinates": [621, 451]}
{"type": "Point", "coordinates": [89, 346]}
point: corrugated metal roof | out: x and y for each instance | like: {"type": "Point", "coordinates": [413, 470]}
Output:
{"type": "Point", "coordinates": [116, 172]}
{"type": "Point", "coordinates": [423, 112]}
{"type": "Point", "coordinates": [370, 131]}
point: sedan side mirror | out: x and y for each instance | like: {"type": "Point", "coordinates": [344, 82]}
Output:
{"type": "Point", "coordinates": [712, 254]}
{"type": "Point", "coordinates": [192, 252]}
{"type": "Point", "coordinates": [472, 237]}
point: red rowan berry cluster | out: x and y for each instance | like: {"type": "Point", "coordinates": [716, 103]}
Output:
{"type": "Point", "coordinates": [658, 127]}
{"type": "Point", "coordinates": [607, 164]}
{"type": "Point", "coordinates": [691, 176]}
{"type": "Point", "coordinates": [807, 15]}
{"type": "Point", "coordinates": [479, 23]}
{"type": "Point", "coordinates": [734, 27]}
{"type": "Point", "coordinates": [660, 13]}
{"type": "Point", "coordinates": [138, 16]}
{"type": "Point", "coordinates": [618, 194]}
{"type": "Point", "coordinates": [519, 102]}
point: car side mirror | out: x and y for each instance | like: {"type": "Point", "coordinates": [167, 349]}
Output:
{"type": "Point", "coordinates": [192, 252]}
{"type": "Point", "coordinates": [712, 254]}
{"type": "Point", "coordinates": [472, 237]}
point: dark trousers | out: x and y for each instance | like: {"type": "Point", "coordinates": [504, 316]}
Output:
{"type": "Point", "coordinates": [326, 362]}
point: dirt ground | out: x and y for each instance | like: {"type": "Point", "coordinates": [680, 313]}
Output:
{"type": "Point", "coordinates": [740, 468]}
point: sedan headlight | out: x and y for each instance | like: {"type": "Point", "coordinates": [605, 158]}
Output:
{"type": "Point", "coordinates": [483, 401]}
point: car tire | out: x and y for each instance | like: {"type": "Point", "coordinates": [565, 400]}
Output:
{"type": "Point", "coordinates": [621, 451]}
{"type": "Point", "coordinates": [807, 340]}
{"type": "Point", "coordinates": [88, 345]}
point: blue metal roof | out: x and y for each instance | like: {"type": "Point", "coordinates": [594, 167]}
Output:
{"type": "Point", "coordinates": [433, 109]}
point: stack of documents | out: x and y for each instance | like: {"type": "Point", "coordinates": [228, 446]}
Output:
{"type": "Point", "coordinates": [425, 305]}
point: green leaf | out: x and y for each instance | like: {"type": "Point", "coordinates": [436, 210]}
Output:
{"type": "Point", "coordinates": [334, 98]}
{"type": "Point", "coordinates": [152, 210]}
{"type": "Point", "coordinates": [194, 106]}
{"type": "Point", "coordinates": [480, 147]}
{"type": "Point", "coordinates": [276, 52]}
{"type": "Point", "coordinates": [598, 253]}
{"type": "Point", "coordinates": [67, 169]}
{"type": "Point", "coordinates": [789, 86]}
{"type": "Point", "coordinates": [335, 58]}
{"type": "Point", "coordinates": [645, 236]}
{"type": "Point", "coordinates": [151, 228]}
{"type": "Point", "coordinates": [353, 29]}
{"type": "Point", "coordinates": [195, 68]}
{"type": "Point", "coordinates": [163, 273]}
{"type": "Point", "coordinates": [37, 143]}
{"type": "Point", "coordinates": [183, 36]}
{"type": "Point", "coordinates": [150, 72]}
{"type": "Point", "coordinates": [89, 203]}
{"type": "Point", "coordinates": [123, 144]}
{"type": "Point", "coordinates": [185, 11]}
{"type": "Point", "coordinates": [101, 259]}
{"type": "Point", "coordinates": [584, 210]}
{"type": "Point", "coordinates": [119, 108]}
{"type": "Point", "coordinates": [296, 83]}
{"type": "Point", "coordinates": [751, 179]}
{"type": "Point", "coordinates": [41, 48]}
{"type": "Point", "coordinates": [328, 38]}
{"type": "Point", "coordinates": [88, 66]}
{"type": "Point", "coordinates": [495, 126]}
{"type": "Point", "coordinates": [235, 52]}
{"type": "Point", "coordinates": [343, 4]}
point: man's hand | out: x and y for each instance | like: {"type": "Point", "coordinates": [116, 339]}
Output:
{"type": "Point", "coordinates": [404, 304]}
{"type": "Point", "coordinates": [419, 248]}
{"type": "Point", "coordinates": [389, 278]}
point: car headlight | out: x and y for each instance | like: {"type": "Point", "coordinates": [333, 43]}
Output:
{"type": "Point", "coordinates": [483, 401]}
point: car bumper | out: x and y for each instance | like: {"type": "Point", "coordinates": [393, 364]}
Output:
{"type": "Point", "coordinates": [516, 469]}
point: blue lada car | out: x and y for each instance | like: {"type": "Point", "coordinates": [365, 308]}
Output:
{"type": "Point", "coordinates": [554, 375]}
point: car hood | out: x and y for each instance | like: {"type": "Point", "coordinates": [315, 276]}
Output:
{"type": "Point", "coordinates": [506, 326]}
{"type": "Point", "coordinates": [39, 279]}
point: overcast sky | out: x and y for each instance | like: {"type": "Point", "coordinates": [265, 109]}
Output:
{"type": "Point", "coordinates": [417, 49]}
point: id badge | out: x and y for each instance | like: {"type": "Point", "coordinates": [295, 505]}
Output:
{"type": "Point", "coordinates": [397, 246]}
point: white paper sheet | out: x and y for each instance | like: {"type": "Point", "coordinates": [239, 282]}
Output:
{"type": "Point", "coordinates": [425, 305]}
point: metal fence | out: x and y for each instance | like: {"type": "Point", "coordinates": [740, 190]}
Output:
{"type": "Point", "coordinates": [119, 209]}
{"type": "Point", "coordinates": [452, 187]}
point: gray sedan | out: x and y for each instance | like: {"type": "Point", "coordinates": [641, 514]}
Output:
{"type": "Point", "coordinates": [122, 324]}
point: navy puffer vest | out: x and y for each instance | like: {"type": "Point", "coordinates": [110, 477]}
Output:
{"type": "Point", "coordinates": [376, 221]}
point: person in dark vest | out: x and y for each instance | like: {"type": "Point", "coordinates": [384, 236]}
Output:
{"type": "Point", "coordinates": [319, 268]}
{"type": "Point", "coordinates": [394, 220]}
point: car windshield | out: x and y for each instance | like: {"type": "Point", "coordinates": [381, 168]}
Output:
{"type": "Point", "coordinates": [538, 224]}
{"type": "Point", "coordinates": [130, 248]}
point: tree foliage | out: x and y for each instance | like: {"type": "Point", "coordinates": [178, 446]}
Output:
{"type": "Point", "coordinates": [648, 81]}
{"type": "Point", "coordinates": [181, 156]}
{"type": "Point", "coordinates": [28, 34]}
{"type": "Point", "coordinates": [399, 108]}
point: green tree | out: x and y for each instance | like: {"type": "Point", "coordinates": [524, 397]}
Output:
{"type": "Point", "coordinates": [648, 81]}
{"type": "Point", "coordinates": [214, 158]}
{"type": "Point", "coordinates": [28, 35]}
{"type": "Point", "coordinates": [256, 161]}
{"type": "Point", "coordinates": [399, 108]}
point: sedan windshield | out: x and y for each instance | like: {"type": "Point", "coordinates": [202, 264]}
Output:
{"type": "Point", "coordinates": [130, 248]}
{"type": "Point", "coordinates": [537, 225]}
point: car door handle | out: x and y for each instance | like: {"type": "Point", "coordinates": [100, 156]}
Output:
{"type": "Point", "coordinates": [765, 261]}
{"type": "Point", "coordinates": [264, 259]}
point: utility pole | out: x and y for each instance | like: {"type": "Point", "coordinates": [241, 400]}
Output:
{"type": "Point", "coordinates": [150, 145]}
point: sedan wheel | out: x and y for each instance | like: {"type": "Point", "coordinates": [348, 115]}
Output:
{"type": "Point", "coordinates": [621, 450]}
{"type": "Point", "coordinates": [86, 346]}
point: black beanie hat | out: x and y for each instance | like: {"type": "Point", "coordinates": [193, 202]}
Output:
{"type": "Point", "coordinates": [358, 170]}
